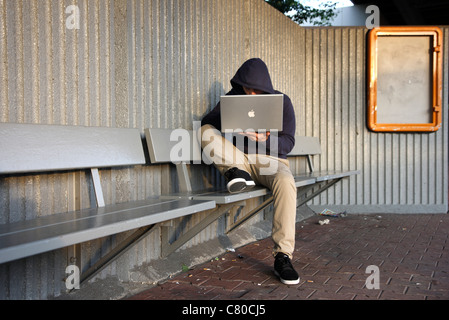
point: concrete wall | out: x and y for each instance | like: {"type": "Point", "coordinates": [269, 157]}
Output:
{"type": "Point", "coordinates": [164, 64]}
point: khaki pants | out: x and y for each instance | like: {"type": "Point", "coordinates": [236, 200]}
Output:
{"type": "Point", "coordinates": [271, 172]}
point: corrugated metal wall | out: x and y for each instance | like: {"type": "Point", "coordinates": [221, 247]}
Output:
{"type": "Point", "coordinates": [401, 172]}
{"type": "Point", "coordinates": [164, 64]}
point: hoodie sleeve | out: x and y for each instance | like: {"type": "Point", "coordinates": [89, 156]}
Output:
{"type": "Point", "coordinates": [286, 138]}
{"type": "Point", "coordinates": [213, 118]}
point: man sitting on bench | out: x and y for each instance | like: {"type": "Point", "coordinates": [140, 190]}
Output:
{"type": "Point", "coordinates": [243, 165]}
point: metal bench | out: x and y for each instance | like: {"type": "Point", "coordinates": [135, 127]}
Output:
{"type": "Point", "coordinates": [27, 148]}
{"type": "Point", "coordinates": [181, 148]}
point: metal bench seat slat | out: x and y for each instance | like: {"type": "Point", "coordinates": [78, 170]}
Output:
{"type": "Point", "coordinates": [301, 181]}
{"type": "Point", "coordinates": [222, 196]}
{"type": "Point", "coordinates": [22, 239]}
{"type": "Point", "coordinates": [328, 175]}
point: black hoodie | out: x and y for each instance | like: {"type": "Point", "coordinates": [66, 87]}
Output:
{"type": "Point", "coordinates": [254, 74]}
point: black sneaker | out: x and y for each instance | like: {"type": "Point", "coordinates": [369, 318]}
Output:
{"type": "Point", "coordinates": [238, 180]}
{"type": "Point", "coordinates": [284, 270]}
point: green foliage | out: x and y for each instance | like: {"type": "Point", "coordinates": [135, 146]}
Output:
{"type": "Point", "coordinates": [301, 13]}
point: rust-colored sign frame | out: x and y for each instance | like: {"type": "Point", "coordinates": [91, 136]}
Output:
{"type": "Point", "coordinates": [437, 37]}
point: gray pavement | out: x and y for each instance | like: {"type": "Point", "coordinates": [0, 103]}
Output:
{"type": "Point", "coordinates": [357, 257]}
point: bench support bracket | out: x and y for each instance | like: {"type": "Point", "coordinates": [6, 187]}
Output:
{"type": "Point", "coordinates": [183, 176]}
{"type": "Point", "coordinates": [97, 187]}
{"type": "Point", "coordinates": [168, 248]}
{"type": "Point", "coordinates": [112, 255]}
{"type": "Point", "coordinates": [302, 199]}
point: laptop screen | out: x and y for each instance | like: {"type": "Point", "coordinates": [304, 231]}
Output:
{"type": "Point", "coordinates": [263, 112]}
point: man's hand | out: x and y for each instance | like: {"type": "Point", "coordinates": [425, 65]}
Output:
{"type": "Point", "coordinates": [254, 136]}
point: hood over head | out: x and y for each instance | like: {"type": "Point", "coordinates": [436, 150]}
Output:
{"type": "Point", "coordinates": [253, 74]}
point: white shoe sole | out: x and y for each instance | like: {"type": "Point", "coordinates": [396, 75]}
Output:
{"type": "Point", "coordinates": [239, 184]}
{"type": "Point", "coordinates": [296, 281]}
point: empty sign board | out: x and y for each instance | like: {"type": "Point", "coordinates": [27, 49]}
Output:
{"type": "Point", "coordinates": [405, 82]}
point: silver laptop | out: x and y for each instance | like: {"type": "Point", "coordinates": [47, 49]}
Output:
{"type": "Point", "coordinates": [262, 112]}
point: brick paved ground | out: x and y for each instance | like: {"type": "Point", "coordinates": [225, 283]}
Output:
{"type": "Point", "coordinates": [410, 251]}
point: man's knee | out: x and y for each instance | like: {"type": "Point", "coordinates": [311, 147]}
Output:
{"type": "Point", "coordinates": [285, 181]}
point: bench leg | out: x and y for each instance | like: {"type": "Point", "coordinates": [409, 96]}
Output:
{"type": "Point", "coordinates": [74, 251]}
